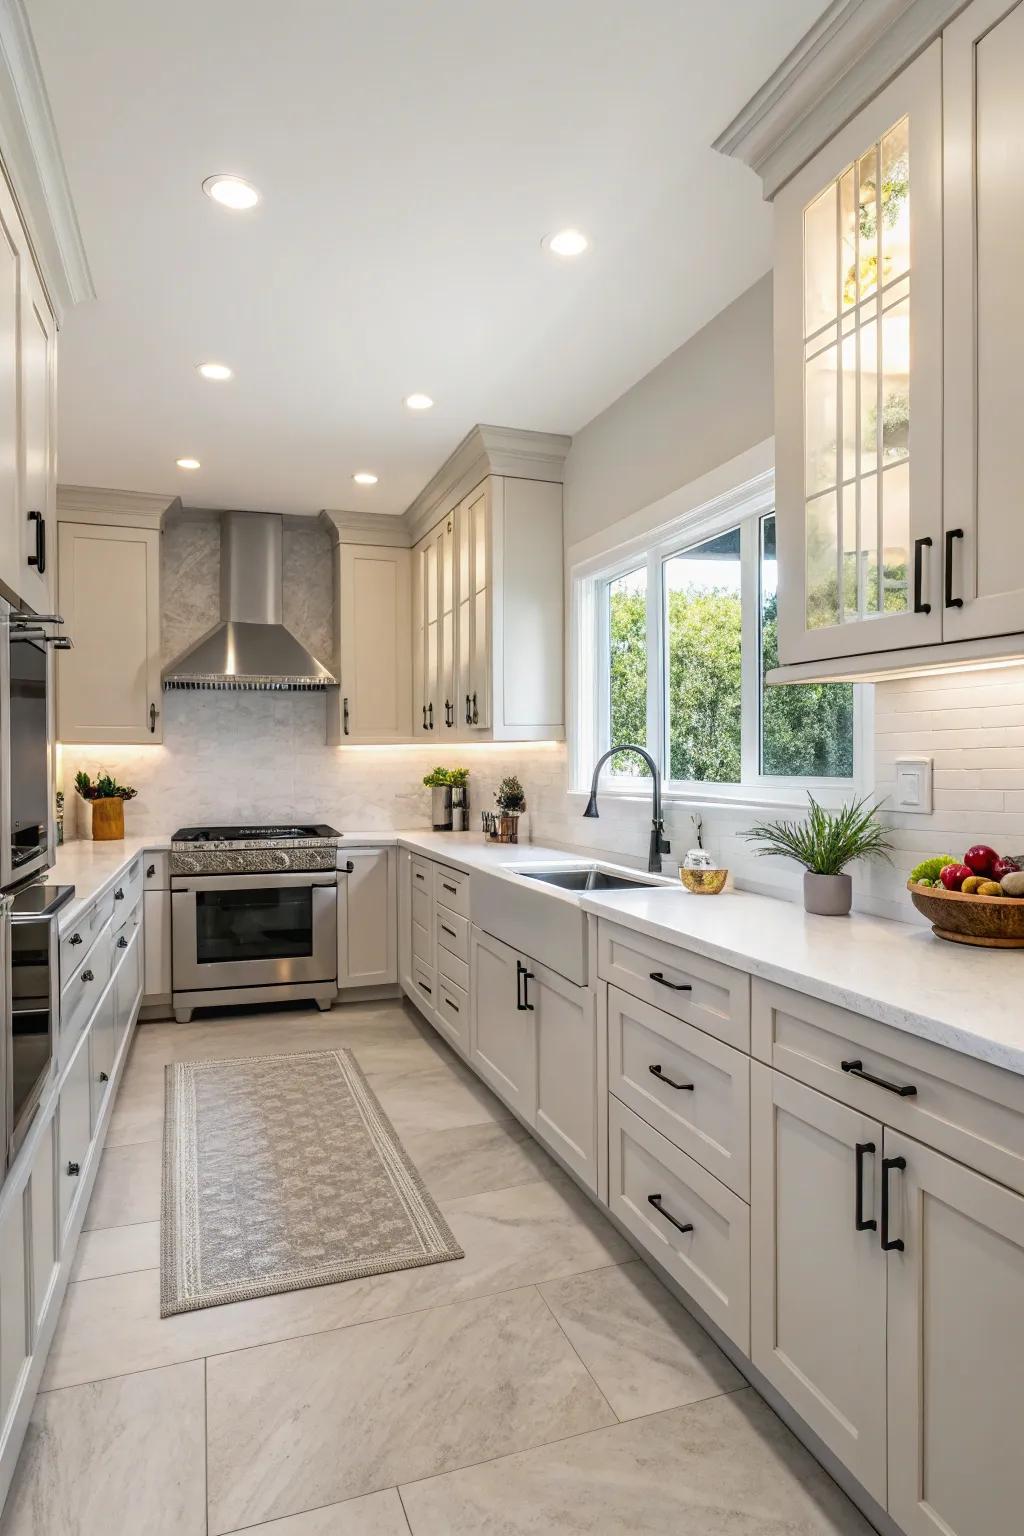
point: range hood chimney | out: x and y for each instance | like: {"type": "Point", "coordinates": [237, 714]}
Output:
{"type": "Point", "coordinates": [249, 648]}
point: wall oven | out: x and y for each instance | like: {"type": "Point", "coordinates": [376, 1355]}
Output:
{"type": "Point", "coordinates": [239, 938]}
{"type": "Point", "coordinates": [30, 949]}
{"type": "Point", "coordinates": [26, 736]}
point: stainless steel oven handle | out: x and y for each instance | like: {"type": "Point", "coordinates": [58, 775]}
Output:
{"type": "Point", "coordinates": [194, 884]}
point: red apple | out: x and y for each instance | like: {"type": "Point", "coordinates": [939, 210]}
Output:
{"type": "Point", "coordinates": [1003, 867]}
{"type": "Point", "coordinates": [954, 875]}
{"type": "Point", "coordinates": [980, 859]}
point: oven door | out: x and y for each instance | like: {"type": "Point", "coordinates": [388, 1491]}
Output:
{"type": "Point", "coordinates": [253, 930]}
{"type": "Point", "coordinates": [26, 732]}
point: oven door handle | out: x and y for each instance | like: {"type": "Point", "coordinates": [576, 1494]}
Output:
{"type": "Point", "coordinates": [194, 884]}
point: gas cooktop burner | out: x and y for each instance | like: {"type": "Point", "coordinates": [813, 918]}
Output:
{"type": "Point", "coordinates": [319, 831]}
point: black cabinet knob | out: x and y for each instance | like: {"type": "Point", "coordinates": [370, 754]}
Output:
{"type": "Point", "coordinates": [119, 894]}
{"type": "Point", "coordinates": [104, 1078]}
{"type": "Point", "coordinates": [150, 871]}
{"type": "Point", "coordinates": [74, 1169]}
{"type": "Point", "coordinates": [76, 938]}
{"type": "Point", "coordinates": [122, 942]}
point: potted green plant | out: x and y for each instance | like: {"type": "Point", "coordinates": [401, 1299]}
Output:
{"type": "Point", "coordinates": [825, 843]}
{"type": "Point", "coordinates": [448, 791]}
{"type": "Point", "coordinates": [105, 801]}
{"type": "Point", "coordinates": [511, 799]}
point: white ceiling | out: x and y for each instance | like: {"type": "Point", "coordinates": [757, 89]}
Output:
{"type": "Point", "coordinates": [411, 157]}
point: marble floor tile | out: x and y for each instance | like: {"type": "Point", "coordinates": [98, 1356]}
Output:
{"type": "Point", "coordinates": [514, 1237]}
{"type": "Point", "coordinates": [273, 1033]}
{"type": "Point", "coordinates": [116, 1456]}
{"type": "Point", "coordinates": [117, 1251]}
{"type": "Point", "coordinates": [441, 1099]}
{"type": "Point", "coordinates": [127, 1187]}
{"type": "Point", "coordinates": [375, 1514]}
{"type": "Point", "coordinates": [725, 1467]}
{"type": "Point", "coordinates": [298, 1424]}
{"type": "Point", "coordinates": [473, 1159]}
{"type": "Point", "coordinates": [643, 1349]}
{"type": "Point", "coordinates": [138, 1115]}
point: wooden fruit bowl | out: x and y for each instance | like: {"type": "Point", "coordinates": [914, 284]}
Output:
{"type": "Point", "coordinates": [992, 922]}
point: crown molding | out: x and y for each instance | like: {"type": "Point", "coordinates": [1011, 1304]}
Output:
{"type": "Point", "coordinates": [484, 451]}
{"type": "Point", "coordinates": [854, 49]}
{"type": "Point", "coordinates": [366, 528]}
{"type": "Point", "coordinates": [35, 166]}
{"type": "Point", "coordinates": [125, 509]}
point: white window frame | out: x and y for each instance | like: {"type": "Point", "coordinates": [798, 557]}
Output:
{"type": "Point", "coordinates": [743, 506]}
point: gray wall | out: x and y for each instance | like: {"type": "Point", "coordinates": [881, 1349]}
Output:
{"type": "Point", "coordinates": [708, 401]}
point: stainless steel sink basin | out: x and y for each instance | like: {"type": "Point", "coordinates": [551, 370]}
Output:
{"type": "Point", "coordinates": [586, 878]}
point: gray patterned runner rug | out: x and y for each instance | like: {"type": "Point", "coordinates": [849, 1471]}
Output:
{"type": "Point", "coordinates": [282, 1172]}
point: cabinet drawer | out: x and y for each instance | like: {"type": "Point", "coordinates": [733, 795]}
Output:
{"type": "Point", "coordinates": [451, 889]}
{"type": "Point", "coordinates": [155, 871]}
{"type": "Point", "coordinates": [711, 1261]}
{"type": "Point", "coordinates": [75, 1135]}
{"type": "Point", "coordinates": [422, 906]}
{"type": "Point", "coordinates": [453, 1013]}
{"type": "Point", "coordinates": [452, 932]}
{"type": "Point", "coordinates": [76, 943]}
{"type": "Point", "coordinates": [712, 996]}
{"type": "Point", "coordinates": [966, 1108]}
{"type": "Point", "coordinates": [101, 1054]}
{"type": "Point", "coordinates": [452, 968]}
{"type": "Point", "coordinates": [699, 1096]}
{"type": "Point", "coordinates": [128, 889]}
{"type": "Point", "coordinates": [127, 987]}
{"type": "Point", "coordinates": [83, 992]}
{"type": "Point", "coordinates": [425, 982]}
{"type": "Point", "coordinates": [422, 875]}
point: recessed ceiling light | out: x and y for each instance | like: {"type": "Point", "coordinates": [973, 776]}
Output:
{"type": "Point", "coordinates": [214, 370]}
{"type": "Point", "coordinates": [418, 402]}
{"type": "Point", "coordinates": [231, 192]}
{"type": "Point", "coordinates": [567, 242]}
{"type": "Point", "coordinates": [365, 477]}
{"type": "Point", "coordinates": [187, 463]}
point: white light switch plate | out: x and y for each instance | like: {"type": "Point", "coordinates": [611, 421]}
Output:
{"type": "Point", "coordinates": [913, 785]}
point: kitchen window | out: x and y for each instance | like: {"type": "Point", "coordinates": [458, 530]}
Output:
{"type": "Point", "coordinates": [672, 644]}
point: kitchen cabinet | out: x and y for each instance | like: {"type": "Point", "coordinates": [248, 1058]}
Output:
{"type": "Point", "coordinates": [504, 1036]}
{"type": "Point", "coordinates": [43, 1222]}
{"type": "Point", "coordinates": [367, 914]}
{"type": "Point", "coordinates": [14, 1303]}
{"type": "Point", "coordinates": [858, 348]}
{"type": "Point", "coordinates": [566, 1040]}
{"type": "Point", "coordinates": [373, 596]}
{"type": "Point", "coordinates": [75, 1134]}
{"type": "Point", "coordinates": [156, 985]}
{"type": "Point", "coordinates": [818, 1298]}
{"type": "Point", "coordinates": [108, 591]}
{"type": "Point", "coordinates": [28, 353]}
{"type": "Point", "coordinates": [955, 1346]}
{"type": "Point", "coordinates": [101, 1054]}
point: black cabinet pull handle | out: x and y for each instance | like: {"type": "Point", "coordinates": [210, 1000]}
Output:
{"type": "Point", "coordinates": [888, 1164]}
{"type": "Point", "coordinates": [419, 875]}
{"type": "Point", "coordinates": [951, 534]}
{"type": "Point", "coordinates": [424, 717]}
{"type": "Point", "coordinates": [469, 713]}
{"type": "Point", "coordinates": [920, 545]}
{"type": "Point", "coordinates": [523, 978]}
{"type": "Point", "coordinates": [104, 1078]}
{"type": "Point", "coordinates": [453, 1006]}
{"type": "Point", "coordinates": [861, 1151]}
{"type": "Point", "coordinates": [656, 1071]}
{"type": "Point", "coordinates": [122, 942]}
{"type": "Point", "coordinates": [449, 931]}
{"type": "Point", "coordinates": [683, 1226]}
{"type": "Point", "coordinates": [119, 894]}
{"type": "Point", "coordinates": [74, 1169]}
{"type": "Point", "coordinates": [856, 1069]}
{"type": "Point", "coordinates": [429, 990]}
{"type": "Point", "coordinates": [88, 976]}
{"type": "Point", "coordinates": [344, 716]}
{"type": "Point", "coordinates": [430, 715]}
{"type": "Point", "coordinates": [39, 558]}
{"type": "Point", "coordinates": [673, 986]}
{"type": "Point", "coordinates": [150, 871]}
{"type": "Point", "coordinates": [445, 887]}
{"type": "Point", "coordinates": [153, 712]}
{"type": "Point", "coordinates": [476, 712]}
{"type": "Point", "coordinates": [349, 867]}
{"type": "Point", "coordinates": [76, 938]}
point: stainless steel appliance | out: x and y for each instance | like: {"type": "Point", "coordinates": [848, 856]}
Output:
{"type": "Point", "coordinates": [32, 1004]}
{"type": "Point", "coordinates": [254, 915]}
{"type": "Point", "coordinates": [27, 835]}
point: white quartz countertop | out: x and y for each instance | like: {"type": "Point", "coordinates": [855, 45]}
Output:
{"type": "Point", "coordinates": [92, 868]}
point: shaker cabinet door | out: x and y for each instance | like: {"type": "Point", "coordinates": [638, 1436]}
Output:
{"type": "Point", "coordinates": [504, 1033]}
{"type": "Point", "coordinates": [374, 697]}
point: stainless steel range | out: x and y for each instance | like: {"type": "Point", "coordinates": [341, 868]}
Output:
{"type": "Point", "coordinates": [254, 915]}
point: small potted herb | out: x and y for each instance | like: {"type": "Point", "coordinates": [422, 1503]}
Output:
{"type": "Point", "coordinates": [825, 844]}
{"type": "Point", "coordinates": [448, 793]}
{"type": "Point", "coordinates": [105, 800]}
{"type": "Point", "coordinates": [511, 799]}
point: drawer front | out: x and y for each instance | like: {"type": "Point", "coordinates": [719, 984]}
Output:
{"type": "Point", "coordinates": [422, 903]}
{"type": "Point", "coordinates": [969, 1109]}
{"type": "Point", "coordinates": [128, 889]}
{"type": "Point", "coordinates": [453, 1014]}
{"type": "Point", "coordinates": [79, 939]}
{"type": "Point", "coordinates": [156, 875]}
{"type": "Point", "coordinates": [422, 872]}
{"type": "Point", "coordinates": [452, 932]}
{"type": "Point", "coordinates": [127, 986]}
{"type": "Point", "coordinates": [101, 1048]}
{"type": "Point", "coordinates": [452, 968]}
{"type": "Point", "coordinates": [82, 993]}
{"type": "Point", "coordinates": [75, 1135]}
{"type": "Point", "coordinates": [425, 982]}
{"type": "Point", "coordinates": [712, 996]}
{"type": "Point", "coordinates": [689, 1086]}
{"type": "Point", "coordinates": [451, 889]}
{"type": "Point", "coordinates": [650, 1180]}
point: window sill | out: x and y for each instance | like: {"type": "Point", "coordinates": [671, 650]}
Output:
{"type": "Point", "coordinates": [748, 797]}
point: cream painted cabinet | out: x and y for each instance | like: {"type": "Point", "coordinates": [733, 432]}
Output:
{"type": "Point", "coordinates": [504, 1034]}
{"type": "Point", "coordinates": [14, 1310]}
{"type": "Point", "coordinates": [427, 712]}
{"type": "Point", "coordinates": [858, 381]}
{"type": "Point", "coordinates": [373, 595]}
{"type": "Point", "coordinates": [955, 1347]}
{"type": "Point", "coordinates": [156, 940]}
{"type": "Point", "coordinates": [566, 1034]}
{"type": "Point", "coordinates": [108, 590]}
{"type": "Point", "coordinates": [367, 917]}
{"type": "Point", "coordinates": [818, 1293]}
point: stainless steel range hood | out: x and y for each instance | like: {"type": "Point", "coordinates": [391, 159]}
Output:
{"type": "Point", "coordinates": [249, 648]}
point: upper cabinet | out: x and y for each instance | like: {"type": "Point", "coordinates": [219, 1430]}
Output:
{"type": "Point", "coordinates": [858, 381]}
{"type": "Point", "coordinates": [898, 327]}
{"type": "Point", "coordinates": [28, 360]}
{"type": "Point", "coordinates": [487, 617]}
{"type": "Point", "coordinates": [371, 613]}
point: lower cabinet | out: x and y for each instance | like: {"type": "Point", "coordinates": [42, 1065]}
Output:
{"type": "Point", "coordinates": [14, 1313]}
{"type": "Point", "coordinates": [43, 1219]}
{"type": "Point", "coordinates": [504, 1040]}
{"type": "Point", "coordinates": [101, 1053]}
{"type": "Point", "coordinates": [74, 1133]}
{"type": "Point", "coordinates": [128, 985]}
{"type": "Point", "coordinates": [156, 987]}
{"type": "Point", "coordinates": [367, 941]}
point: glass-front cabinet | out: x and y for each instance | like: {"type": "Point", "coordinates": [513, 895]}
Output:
{"type": "Point", "coordinates": [858, 353]}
